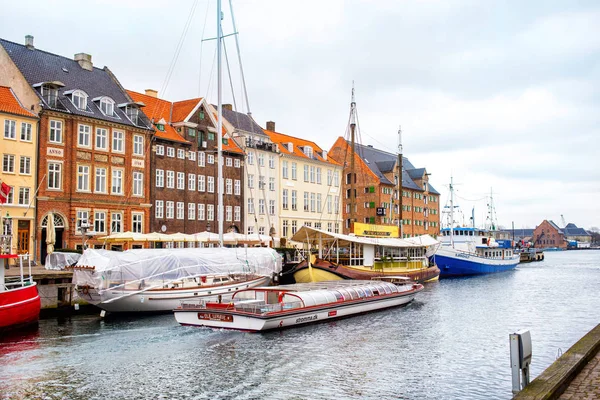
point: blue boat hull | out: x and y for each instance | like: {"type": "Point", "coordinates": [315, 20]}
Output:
{"type": "Point", "coordinates": [458, 266]}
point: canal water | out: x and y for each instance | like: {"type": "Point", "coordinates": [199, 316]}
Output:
{"type": "Point", "coordinates": [450, 343]}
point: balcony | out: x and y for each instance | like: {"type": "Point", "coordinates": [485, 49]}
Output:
{"type": "Point", "coordinates": [266, 146]}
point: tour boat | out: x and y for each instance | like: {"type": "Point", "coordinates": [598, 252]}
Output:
{"type": "Point", "coordinates": [277, 307]}
{"type": "Point", "coordinates": [338, 256]}
{"type": "Point", "coordinates": [19, 299]}
{"type": "Point", "coordinates": [157, 280]}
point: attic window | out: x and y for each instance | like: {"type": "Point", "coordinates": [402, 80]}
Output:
{"type": "Point", "coordinates": [79, 99]}
{"type": "Point", "coordinates": [308, 151]}
{"type": "Point", "coordinates": [160, 127]}
{"type": "Point", "coordinates": [133, 113]}
{"type": "Point", "coordinates": [107, 106]}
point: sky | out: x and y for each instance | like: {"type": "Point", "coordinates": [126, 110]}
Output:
{"type": "Point", "coordinates": [502, 96]}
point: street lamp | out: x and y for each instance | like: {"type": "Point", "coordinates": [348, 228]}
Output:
{"type": "Point", "coordinates": [6, 242]}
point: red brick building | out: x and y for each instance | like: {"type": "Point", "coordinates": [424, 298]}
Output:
{"type": "Point", "coordinates": [184, 168]}
{"type": "Point", "coordinates": [93, 148]}
{"type": "Point", "coordinates": [548, 234]}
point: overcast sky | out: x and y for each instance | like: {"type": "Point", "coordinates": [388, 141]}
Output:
{"type": "Point", "coordinates": [502, 95]}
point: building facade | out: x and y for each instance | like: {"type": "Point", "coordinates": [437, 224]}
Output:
{"type": "Point", "coordinates": [93, 169]}
{"type": "Point", "coordinates": [309, 183]}
{"type": "Point", "coordinates": [548, 234]}
{"type": "Point", "coordinates": [18, 149]}
{"type": "Point", "coordinates": [184, 168]}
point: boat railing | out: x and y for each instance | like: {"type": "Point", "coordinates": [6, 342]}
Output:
{"type": "Point", "coordinates": [258, 307]}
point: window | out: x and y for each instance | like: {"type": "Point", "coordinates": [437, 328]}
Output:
{"type": "Point", "coordinates": [54, 176]}
{"type": "Point", "coordinates": [271, 161]}
{"type": "Point", "coordinates": [170, 209]}
{"type": "Point", "coordinates": [236, 163]}
{"type": "Point", "coordinates": [228, 213]}
{"type": "Point", "coordinates": [201, 159]}
{"type": "Point", "coordinates": [180, 209]}
{"type": "Point", "coordinates": [79, 99]}
{"type": "Point", "coordinates": [138, 184]}
{"type": "Point", "coordinates": [100, 186]}
{"type": "Point", "coordinates": [319, 175]}
{"type": "Point", "coordinates": [192, 211]}
{"type": "Point", "coordinates": [159, 210]}
{"type": "Point", "coordinates": [24, 196]}
{"type": "Point", "coordinates": [261, 182]}
{"type": "Point", "coordinates": [284, 169]}
{"type": "Point", "coordinates": [284, 230]}
{"type": "Point", "coordinates": [251, 181]}
{"type": "Point", "coordinates": [138, 145]}
{"type": "Point", "coordinates": [312, 174]}
{"type": "Point", "coordinates": [294, 227]}
{"type": "Point", "coordinates": [133, 113]}
{"type": "Point", "coordinates": [237, 215]}
{"type": "Point", "coordinates": [319, 204]}
{"type": "Point", "coordinates": [101, 139]}
{"type": "Point", "coordinates": [306, 173]}
{"type": "Point", "coordinates": [10, 129]}
{"type": "Point", "coordinates": [329, 177]}
{"type": "Point", "coordinates": [251, 205]}
{"type": "Point", "coordinates": [211, 136]}
{"type": "Point", "coordinates": [170, 179]}
{"type": "Point", "coordinates": [116, 223]}
{"type": "Point", "coordinates": [160, 178]}
{"type": "Point", "coordinates": [250, 230]}
{"type": "Point", "coordinates": [210, 212]}
{"type": "Point", "coordinates": [228, 186]}
{"type": "Point", "coordinates": [201, 183]}
{"type": "Point", "coordinates": [294, 200]}
{"type": "Point", "coordinates": [200, 212]}
{"type": "Point", "coordinates": [312, 202]}
{"type": "Point", "coordinates": [336, 205]}
{"type": "Point", "coordinates": [137, 222]}
{"type": "Point", "coordinates": [250, 158]}
{"type": "Point", "coordinates": [83, 178]}
{"type": "Point", "coordinates": [306, 203]}
{"type": "Point", "coordinates": [181, 154]}
{"type": "Point", "coordinates": [117, 181]}
{"type": "Point", "coordinates": [261, 230]}
{"type": "Point", "coordinates": [211, 184]}
{"type": "Point", "coordinates": [271, 207]}
{"type": "Point", "coordinates": [237, 187]}
{"type": "Point", "coordinates": [171, 152]}
{"type": "Point", "coordinates": [107, 106]}
{"type": "Point", "coordinates": [55, 131]}
{"type": "Point", "coordinates": [192, 155]}
{"type": "Point", "coordinates": [336, 179]}
{"type": "Point", "coordinates": [294, 171]}
{"type": "Point", "coordinates": [118, 141]}
{"type": "Point", "coordinates": [272, 184]}
{"type": "Point", "coordinates": [25, 165]}
{"type": "Point", "coordinates": [82, 216]}
{"type": "Point", "coordinates": [284, 200]}
{"type": "Point", "coordinates": [329, 227]}
{"type": "Point", "coordinates": [84, 136]}
{"type": "Point", "coordinates": [228, 162]}
{"type": "Point", "coordinates": [210, 159]}
{"type": "Point", "coordinates": [160, 150]}
{"type": "Point", "coordinates": [25, 132]}
{"type": "Point", "coordinates": [100, 221]}
{"type": "Point", "coordinates": [191, 181]}
{"type": "Point", "coordinates": [261, 159]}
{"type": "Point", "coordinates": [181, 181]}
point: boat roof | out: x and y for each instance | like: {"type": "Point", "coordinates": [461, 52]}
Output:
{"type": "Point", "coordinates": [312, 234]}
{"type": "Point", "coordinates": [324, 285]}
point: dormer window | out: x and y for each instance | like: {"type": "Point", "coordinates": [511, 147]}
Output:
{"type": "Point", "coordinates": [107, 106]}
{"type": "Point", "coordinates": [133, 113]}
{"type": "Point", "coordinates": [49, 92]}
{"type": "Point", "coordinates": [160, 127]}
{"type": "Point", "coordinates": [79, 99]}
{"type": "Point", "coordinates": [308, 151]}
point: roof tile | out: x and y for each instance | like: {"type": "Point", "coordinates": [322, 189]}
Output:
{"type": "Point", "coordinates": [10, 104]}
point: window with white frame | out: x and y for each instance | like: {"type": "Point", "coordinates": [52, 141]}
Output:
{"type": "Point", "coordinates": [101, 139]}
{"type": "Point", "coordinates": [237, 213]}
{"type": "Point", "coordinates": [170, 210]}
{"type": "Point", "coordinates": [228, 213]}
{"type": "Point", "coordinates": [210, 212]}
{"type": "Point", "coordinates": [284, 199]}
{"type": "Point", "coordinates": [137, 222]}
{"type": "Point", "coordinates": [272, 183]}
{"type": "Point", "coordinates": [25, 132]}
{"type": "Point", "coordinates": [237, 187]}
{"type": "Point", "coordinates": [250, 158]}
{"type": "Point", "coordinates": [138, 184]}
{"type": "Point", "coordinates": [191, 211]}
{"type": "Point", "coordinates": [294, 171]}
{"type": "Point", "coordinates": [336, 179]}
{"type": "Point", "coordinates": [261, 206]}
{"type": "Point", "coordinates": [138, 145]}
{"type": "Point", "coordinates": [271, 207]}
{"type": "Point", "coordinates": [100, 180]}
{"type": "Point", "coordinates": [181, 180]}
{"type": "Point", "coordinates": [192, 182]}
{"type": "Point", "coordinates": [83, 178]}
{"type": "Point", "coordinates": [181, 154]}
{"type": "Point", "coordinates": [319, 204]}
{"type": "Point", "coordinates": [271, 161]}
{"type": "Point", "coordinates": [159, 209]}
{"type": "Point", "coordinates": [54, 175]}
{"type": "Point", "coordinates": [160, 178]}
{"type": "Point", "coordinates": [170, 179]}
{"type": "Point", "coordinates": [251, 181]}
{"type": "Point", "coordinates": [294, 200]}
{"type": "Point", "coordinates": [228, 186]}
{"type": "Point", "coordinates": [160, 150]}
{"type": "Point", "coordinates": [107, 106]}
{"type": "Point", "coordinates": [25, 165]}
{"type": "Point", "coordinates": [84, 136]}
{"type": "Point", "coordinates": [116, 222]}
{"type": "Point", "coordinates": [82, 216]}
{"type": "Point", "coordinates": [192, 155]}
{"type": "Point", "coordinates": [236, 163]}
{"type": "Point", "coordinates": [210, 159]}
{"type": "Point", "coordinates": [180, 209]}
{"type": "Point", "coordinates": [336, 205]}
{"type": "Point", "coordinates": [100, 221]}
{"type": "Point", "coordinates": [211, 184]}
{"type": "Point", "coordinates": [118, 142]}
{"type": "Point", "coordinates": [201, 159]}
{"type": "Point", "coordinates": [171, 152]}
{"type": "Point", "coordinates": [201, 215]}
{"type": "Point", "coordinates": [261, 182]}
{"type": "Point", "coordinates": [305, 173]}
{"type": "Point", "coordinates": [284, 169]}
{"type": "Point", "coordinates": [10, 196]}
{"type": "Point", "coordinates": [250, 230]}
{"type": "Point", "coordinates": [294, 227]}
{"type": "Point", "coordinates": [79, 99]}
{"type": "Point", "coordinates": [329, 177]}
{"type": "Point", "coordinates": [312, 174]}
{"type": "Point", "coordinates": [55, 135]}
{"type": "Point", "coordinates": [319, 175]}
{"type": "Point", "coordinates": [117, 181]}
{"type": "Point", "coordinates": [251, 205]}
{"type": "Point", "coordinates": [261, 230]}
{"type": "Point", "coordinates": [24, 196]}
{"type": "Point", "coordinates": [228, 162]}
{"type": "Point", "coordinates": [312, 203]}
{"type": "Point", "coordinates": [261, 159]}
{"type": "Point", "coordinates": [329, 204]}
{"type": "Point", "coordinates": [284, 229]}
{"type": "Point", "coordinates": [201, 183]}
{"type": "Point", "coordinates": [10, 129]}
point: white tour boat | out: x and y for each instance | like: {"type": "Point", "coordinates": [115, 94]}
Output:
{"type": "Point", "coordinates": [276, 307]}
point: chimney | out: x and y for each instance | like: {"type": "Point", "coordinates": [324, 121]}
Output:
{"type": "Point", "coordinates": [271, 126]}
{"type": "Point", "coordinates": [29, 42]}
{"type": "Point", "coordinates": [325, 155]}
{"type": "Point", "coordinates": [228, 107]}
{"type": "Point", "coordinates": [84, 60]}
{"type": "Point", "coordinates": [151, 92]}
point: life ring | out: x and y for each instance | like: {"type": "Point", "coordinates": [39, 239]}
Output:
{"type": "Point", "coordinates": [85, 289]}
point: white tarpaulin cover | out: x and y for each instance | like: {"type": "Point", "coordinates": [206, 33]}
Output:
{"type": "Point", "coordinates": [58, 260]}
{"type": "Point", "coordinates": [117, 268]}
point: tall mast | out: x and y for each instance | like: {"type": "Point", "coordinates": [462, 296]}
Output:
{"type": "Point", "coordinates": [400, 220]}
{"type": "Point", "coordinates": [352, 173]}
{"type": "Point", "coordinates": [220, 214]}
{"type": "Point", "coordinates": [451, 211]}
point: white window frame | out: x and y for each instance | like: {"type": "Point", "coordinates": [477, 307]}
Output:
{"type": "Point", "coordinates": [171, 152]}
{"type": "Point", "coordinates": [138, 145]}
{"type": "Point", "coordinates": [159, 209]}
{"type": "Point", "coordinates": [55, 130]}
{"type": "Point", "coordinates": [103, 180]}
{"type": "Point", "coordinates": [170, 179]}
{"type": "Point", "coordinates": [181, 154]}
{"type": "Point", "coordinates": [192, 182]}
{"type": "Point", "coordinates": [211, 184]}
{"type": "Point", "coordinates": [181, 180]}
{"type": "Point", "coordinates": [191, 211]}
{"type": "Point", "coordinates": [10, 129]}
{"type": "Point", "coordinates": [228, 162]}
{"type": "Point", "coordinates": [210, 158]}
{"type": "Point", "coordinates": [118, 175]}
{"type": "Point", "coordinates": [228, 186]}
{"type": "Point", "coordinates": [118, 141]}
{"type": "Point", "coordinates": [160, 150]}
{"type": "Point", "coordinates": [138, 184]}
{"type": "Point", "coordinates": [83, 178]}
{"type": "Point", "coordinates": [24, 165]}
{"type": "Point", "coordinates": [137, 218]}
{"type": "Point", "coordinates": [84, 136]}
{"type": "Point", "coordinates": [102, 135]}
{"type": "Point", "coordinates": [237, 163]}
{"type": "Point", "coordinates": [79, 98]}
{"type": "Point", "coordinates": [8, 163]}
{"type": "Point", "coordinates": [160, 178]}
{"type": "Point", "coordinates": [24, 196]}
{"type": "Point", "coordinates": [180, 210]}
{"type": "Point", "coordinates": [116, 218]}
{"type": "Point", "coordinates": [201, 159]}
{"type": "Point", "coordinates": [26, 128]}
{"type": "Point", "coordinates": [100, 217]}
{"type": "Point", "coordinates": [201, 212]}
{"type": "Point", "coordinates": [107, 104]}
{"type": "Point", "coordinates": [201, 183]}
{"type": "Point", "coordinates": [170, 210]}
{"type": "Point", "coordinates": [57, 171]}
{"type": "Point", "coordinates": [237, 187]}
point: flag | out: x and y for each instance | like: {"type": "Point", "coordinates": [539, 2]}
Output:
{"type": "Point", "coordinates": [4, 191]}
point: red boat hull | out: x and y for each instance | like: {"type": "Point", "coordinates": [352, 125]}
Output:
{"type": "Point", "coordinates": [19, 307]}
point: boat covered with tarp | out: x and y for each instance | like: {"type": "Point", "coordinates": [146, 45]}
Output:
{"type": "Point", "coordinates": [155, 280]}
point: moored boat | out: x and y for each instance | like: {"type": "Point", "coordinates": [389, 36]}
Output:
{"type": "Point", "coordinates": [19, 299]}
{"type": "Point", "coordinates": [277, 307]}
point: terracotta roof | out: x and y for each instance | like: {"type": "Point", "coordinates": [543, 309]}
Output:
{"type": "Point", "coordinates": [157, 109]}
{"type": "Point", "coordinates": [10, 104]}
{"type": "Point", "coordinates": [181, 109]}
{"type": "Point", "coordinates": [282, 140]}
{"type": "Point", "coordinates": [231, 146]}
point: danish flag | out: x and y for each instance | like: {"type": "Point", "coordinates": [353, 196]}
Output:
{"type": "Point", "coordinates": [4, 191]}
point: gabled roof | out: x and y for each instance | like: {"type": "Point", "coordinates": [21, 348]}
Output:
{"type": "Point", "coordinates": [39, 66]}
{"type": "Point", "coordinates": [241, 121]}
{"type": "Point", "coordinates": [298, 144]}
{"type": "Point", "coordinates": [183, 109]}
{"type": "Point", "coordinates": [573, 230]}
{"type": "Point", "coordinates": [10, 104]}
{"type": "Point", "coordinates": [555, 226]}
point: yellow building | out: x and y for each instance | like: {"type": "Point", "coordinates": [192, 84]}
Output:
{"type": "Point", "coordinates": [18, 147]}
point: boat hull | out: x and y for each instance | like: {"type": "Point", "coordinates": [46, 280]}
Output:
{"type": "Point", "coordinates": [260, 323]}
{"type": "Point", "coordinates": [19, 307]}
{"type": "Point", "coordinates": [454, 263]}
{"type": "Point", "coordinates": [167, 300]}
{"type": "Point", "coordinates": [327, 271]}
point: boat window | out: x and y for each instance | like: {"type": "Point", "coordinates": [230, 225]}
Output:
{"type": "Point", "coordinates": [368, 292]}
{"type": "Point", "coordinates": [338, 295]}
{"type": "Point", "coordinates": [386, 289]}
{"type": "Point", "coordinates": [345, 294]}
{"type": "Point", "coordinates": [353, 293]}
{"type": "Point", "coordinates": [394, 289]}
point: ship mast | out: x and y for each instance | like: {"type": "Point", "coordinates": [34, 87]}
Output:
{"type": "Point", "coordinates": [400, 220]}
{"type": "Point", "coordinates": [451, 211]}
{"type": "Point", "coordinates": [352, 150]}
{"type": "Point", "coordinates": [220, 214]}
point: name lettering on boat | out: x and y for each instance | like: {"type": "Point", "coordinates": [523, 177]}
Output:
{"type": "Point", "coordinates": [462, 255]}
{"type": "Point", "coordinates": [215, 317]}
{"type": "Point", "coordinates": [307, 319]}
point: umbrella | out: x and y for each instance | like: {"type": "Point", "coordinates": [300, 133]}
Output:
{"type": "Point", "coordinates": [50, 234]}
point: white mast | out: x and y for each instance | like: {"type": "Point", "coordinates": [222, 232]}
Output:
{"type": "Point", "coordinates": [451, 212]}
{"type": "Point", "coordinates": [400, 220]}
{"type": "Point", "coordinates": [220, 214]}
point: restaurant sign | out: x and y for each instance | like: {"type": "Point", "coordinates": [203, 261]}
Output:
{"type": "Point", "coordinates": [372, 230]}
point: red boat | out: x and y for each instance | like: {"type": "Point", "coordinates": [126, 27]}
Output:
{"type": "Point", "coordinates": [19, 299]}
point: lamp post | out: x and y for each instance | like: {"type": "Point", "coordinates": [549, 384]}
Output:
{"type": "Point", "coordinates": [6, 243]}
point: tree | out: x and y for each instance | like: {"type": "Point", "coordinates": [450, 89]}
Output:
{"type": "Point", "coordinates": [595, 232]}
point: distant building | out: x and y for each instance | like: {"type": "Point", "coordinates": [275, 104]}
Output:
{"type": "Point", "coordinates": [577, 237]}
{"type": "Point", "coordinates": [547, 235]}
